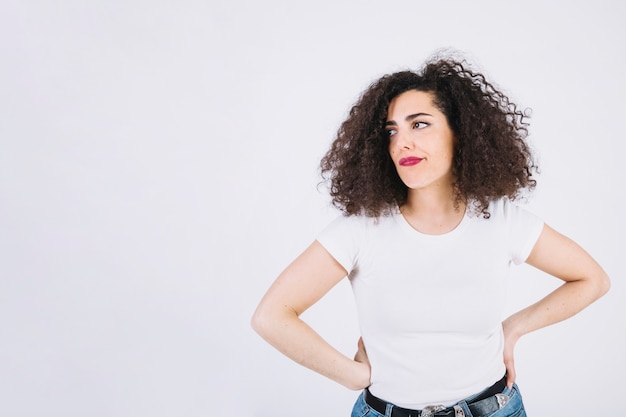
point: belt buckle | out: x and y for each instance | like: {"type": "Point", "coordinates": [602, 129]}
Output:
{"type": "Point", "coordinates": [431, 409]}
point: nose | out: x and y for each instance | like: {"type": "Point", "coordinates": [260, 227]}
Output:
{"type": "Point", "coordinates": [403, 139]}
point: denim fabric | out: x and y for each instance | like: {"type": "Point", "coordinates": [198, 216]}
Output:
{"type": "Point", "coordinates": [361, 409]}
{"type": "Point", "coordinates": [513, 408]}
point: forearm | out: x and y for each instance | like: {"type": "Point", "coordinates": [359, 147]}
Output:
{"type": "Point", "coordinates": [567, 300]}
{"type": "Point", "coordinates": [298, 341]}
{"type": "Point", "coordinates": [585, 282]}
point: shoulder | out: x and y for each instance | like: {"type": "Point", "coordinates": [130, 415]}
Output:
{"type": "Point", "coordinates": [357, 223]}
{"type": "Point", "coordinates": [346, 237]}
{"type": "Point", "coordinates": [510, 216]}
{"type": "Point", "coordinates": [504, 209]}
{"type": "Point", "coordinates": [359, 227]}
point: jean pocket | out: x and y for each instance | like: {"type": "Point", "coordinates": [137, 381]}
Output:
{"type": "Point", "coordinates": [513, 408]}
{"type": "Point", "coordinates": [361, 409]}
{"type": "Point", "coordinates": [504, 412]}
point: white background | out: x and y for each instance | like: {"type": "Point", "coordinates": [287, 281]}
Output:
{"type": "Point", "coordinates": [158, 169]}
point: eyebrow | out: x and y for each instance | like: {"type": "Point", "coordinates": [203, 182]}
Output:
{"type": "Point", "coordinates": [408, 118]}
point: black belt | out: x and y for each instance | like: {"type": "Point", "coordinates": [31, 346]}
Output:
{"type": "Point", "coordinates": [484, 404]}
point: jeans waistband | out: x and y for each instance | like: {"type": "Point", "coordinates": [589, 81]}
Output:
{"type": "Point", "coordinates": [487, 402]}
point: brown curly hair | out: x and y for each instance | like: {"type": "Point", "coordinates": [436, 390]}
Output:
{"type": "Point", "coordinates": [491, 157]}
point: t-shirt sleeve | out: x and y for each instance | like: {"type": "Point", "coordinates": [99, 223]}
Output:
{"type": "Point", "coordinates": [341, 239]}
{"type": "Point", "coordinates": [525, 228]}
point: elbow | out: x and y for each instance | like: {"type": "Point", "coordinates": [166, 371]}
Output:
{"type": "Point", "coordinates": [598, 285]}
{"type": "Point", "coordinates": [604, 284]}
{"type": "Point", "coordinates": [271, 322]}
{"type": "Point", "coordinates": [259, 321]}
{"type": "Point", "coordinates": [265, 320]}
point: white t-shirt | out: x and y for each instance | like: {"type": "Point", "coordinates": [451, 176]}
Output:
{"type": "Point", "coordinates": [430, 307]}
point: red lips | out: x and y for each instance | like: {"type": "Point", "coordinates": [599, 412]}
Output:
{"type": "Point", "coordinates": [409, 161]}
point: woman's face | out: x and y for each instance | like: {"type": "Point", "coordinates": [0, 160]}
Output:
{"type": "Point", "coordinates": [421, 143]}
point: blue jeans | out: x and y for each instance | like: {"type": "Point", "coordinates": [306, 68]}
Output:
{"type": "Point", "coordinates": [513, 408]}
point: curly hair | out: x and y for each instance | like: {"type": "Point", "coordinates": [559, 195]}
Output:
{"type": "Point", "coordinates": [491, 157]}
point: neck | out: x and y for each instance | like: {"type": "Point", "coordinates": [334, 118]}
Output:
{"type": "Point", "coordinates": [432, 213]}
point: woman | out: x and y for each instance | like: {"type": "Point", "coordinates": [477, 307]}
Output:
{"type": "Point", "coordinates": [426, 169]}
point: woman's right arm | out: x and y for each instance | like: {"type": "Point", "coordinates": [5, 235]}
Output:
{"type": "Point", "coordinates": [277, 318]}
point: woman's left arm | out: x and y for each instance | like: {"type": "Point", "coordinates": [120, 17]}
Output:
{"type": "Point", "coordinates": [585, 282]}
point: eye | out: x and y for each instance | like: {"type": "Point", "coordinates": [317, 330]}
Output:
{"type": "Point", "coordinates": [391, 132]}
{"type": "Point", "coordinates": [420, 125]}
